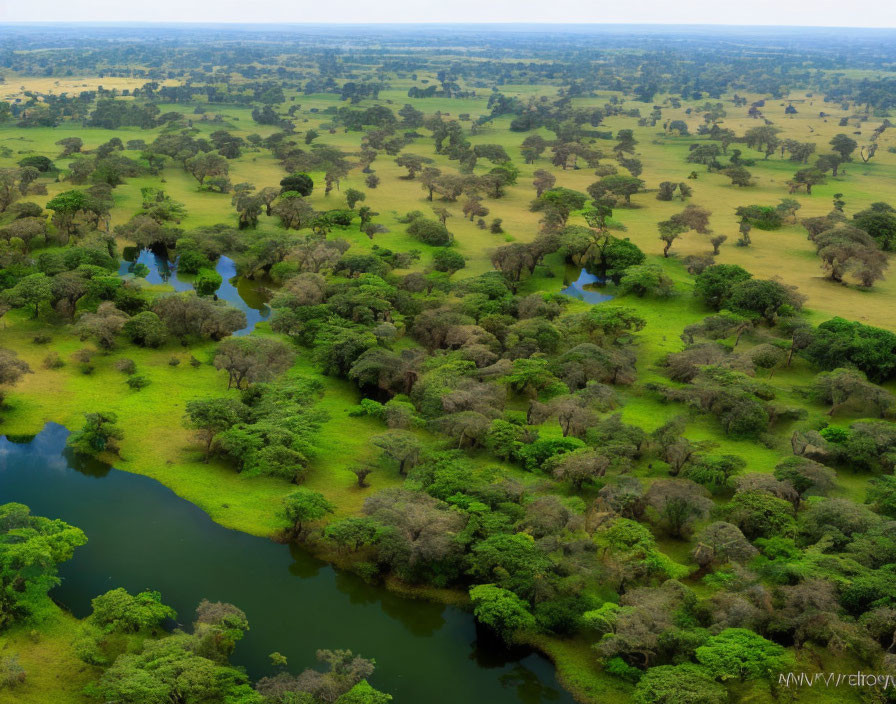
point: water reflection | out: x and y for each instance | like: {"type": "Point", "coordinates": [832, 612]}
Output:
{"type": "Point", "coordinates": [142, 535]}
{"type": "Point", "coordinates": [585, 288]}
{"type": "Point", "coordinates": [20, 439]}
{"type": "Point", "coordinates": [161, 271]}
{"type": "Point", "coordinates": [529, 689]}
{"type": "Point", "coordinates": [88, 466]}
{"type": "Point", "coordinates": [248, 296]}
{"type": "Point", "coordinates": [304, 565]}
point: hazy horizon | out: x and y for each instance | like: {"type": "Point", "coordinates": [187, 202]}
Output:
{"type": "Point", "coordinates": [441, 23]}
{"type": "Point", "coordinates": [868, 14]}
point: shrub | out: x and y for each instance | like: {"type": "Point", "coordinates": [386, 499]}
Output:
{"type": "Point", "coordinates": [12, 673]}
{"type": "Point", "coordinates": [53, 361]}
{"type": "Point", "coordinates": [448, 260]}
{"type": "Point", "coordinates": [126, 366]}
{"type": "Point", "coordinates": [617, 667]}
{"type": "Point", "coordinates": [137, 382]}
{"type": "Point", "coordinates": [190, 262]}
{"type": "Point", "coordinates": [343, 218]}
{"type": "Point", "coordinates": [300, 183]}
{"type": "Point", "coordinates": [430, 232]}
{"type": "Point", "coordinates": [646, 280]}
{"type": "Point", "coordinates": [146, 329]}
{"type": "Point", "coordinates": [534, 455]}
{"type": "Point", "coordinates": [207, 282]}
{"type": "Point", "coordinates": [762, 217]}
{"type": "Point", "coordinates": [41, 163]}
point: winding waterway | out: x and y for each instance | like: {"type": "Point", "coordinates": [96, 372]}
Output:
{"type": "Point", "coordinates": [141, 535]}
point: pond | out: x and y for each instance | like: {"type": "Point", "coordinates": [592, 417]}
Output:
{"type": "Point", "coordinates": [239, 292]}
{"type": "Point", "coordinates": [584, 288]}
{"type": "Point", "coordinates": [141, 535]}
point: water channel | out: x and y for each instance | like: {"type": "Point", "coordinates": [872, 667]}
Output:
{"type": "Point", "coordinates": [141, 535]}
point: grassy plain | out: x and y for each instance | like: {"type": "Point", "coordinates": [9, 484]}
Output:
{"type": "Point", "coordinates": [157, 445]}
{"type": "Point", "coordinates": [252, 504]}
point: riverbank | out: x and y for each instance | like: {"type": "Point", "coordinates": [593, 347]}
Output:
{"type": "Point", "coordinates": [53, 674]}
{"type": "Point", "coordinates": [141, 535]}
{"type": "Point", "coordinates": [254, 505]}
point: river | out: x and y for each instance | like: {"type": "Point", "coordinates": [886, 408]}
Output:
{"type": "Point", "coordinates": [141, 535]}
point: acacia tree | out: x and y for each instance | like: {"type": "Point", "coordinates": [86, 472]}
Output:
{"type": "Point", "coordinates": [70, 145]}
{"type": "Point", "coordinates": [442, 214]}
{"type": "Point", "coordinates": [514, 260]}
{"type": "Point", "coordinates": [721, 542]}
{"type": "Point", "coordinates": [102, 326]}
{"type": "Point", "coordinates": [558, 203]}
{"type": "Point", "coordinates": [424, 531]}
{"type": "Point", "coordinates": [742, 654]}
{"type": "Point", "coordinates": [581, 466]}
{"type": "Point", "coordinates": [829, 162]}
{"type": "Point", "coordinates": [617, 185]}
{"type": "Point", "coordinates": [501, 610]}
{"type": "Point", "coordinates": [207, 165]}
{"type": "Point", "coordinates": [268, 196]}
{"type": "Point", "coordinates": [533, 147]}
{"type": "Point", "coordinates": [411, 162]}
{"type": "Point", "coordinates": [693, 217]}
{"type": "Point", "coordinates": [842, 386]}
{"type": "Point", "coordinates": [844, 146]}
{"type": "Point", "coordinates": [739, 176]}
{"type": "Point", "coordinates": [543, 181]}
{"type": "Point", "coordinates": [670, 230]}
{"type": "Point", "coordinates": [248, 206]}
{"type": "Point", "coordinates": [677, 504]}
{"type": "Point", "coordinates": [187, 314]}
{"type": "Point", "coordinates": [12, 369]}
{"type": "Point", "coordinates": [716, 242]}
{"type": "Point", "coordinates": [66, 207]}
{"type": "Point", "coordinates": [474, 208]}
{"type": "Point", "coordinates": [304, 506]}
{"type": "Point", "coordinates": [117, 611]}
{"type": "Point", "coordinates": [806, 178]}
{"type": "Point", "coordinates": [31, 290]}
{"type": "Point", "coordinates": [429, 180]}
{"type": "Point", "coordinates": [353, 196]}
{"type": "Point", "coordinates": [9, 190]}
{"type": "Point", "coordinates": [666, 190]}
{"type": "Point", "coordinates": [208, 417]}
{"type": "Point", "coordinates": [33, 547]}
{"type": "Point", "coordinates": [99, 434]}
{"type": "Point", "coordinates": [248, 360]}
{"type": "Point", "coordinates": [27, 175]}
{"type": "Point", "coordinates": [848, 250]}
{"type": "Point", "coordinates": [401, 447]}
{"type": "Point", "coordinates": [294, 211]}
{"type": "Point", "coordinates": [685, 683]}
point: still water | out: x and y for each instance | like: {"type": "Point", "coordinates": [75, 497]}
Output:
{"type": "Point", "coordinates": [585, 287]}
{"type": "Point", "coordinates": [141, 535]}
{"type": "Point", "coordinates": [239, 292]}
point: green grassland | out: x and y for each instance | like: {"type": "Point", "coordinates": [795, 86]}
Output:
{"type": "Point", "coordinates": [54, 673]}
{"type": "Point", "coordinates": [157, 445]}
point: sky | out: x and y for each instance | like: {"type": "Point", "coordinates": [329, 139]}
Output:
{"type": "Point", "coordinates": [850, 13]}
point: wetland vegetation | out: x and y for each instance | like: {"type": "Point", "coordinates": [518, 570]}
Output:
{"type": "Point", "coordinates": [445, 364]}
